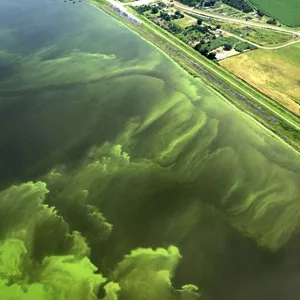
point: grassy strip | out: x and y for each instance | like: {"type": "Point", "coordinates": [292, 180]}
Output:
{"type": "Point", "coordinates": [286, 131]}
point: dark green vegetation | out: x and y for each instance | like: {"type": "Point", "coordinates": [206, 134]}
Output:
{"type": "Point", "coordinates": [242, 5]}
{"type": "Point", "coordinates": [124, 178]}
{"type": "Point", "coordinates": [287, 12]}
{"type": "Point", "coordinates": [222, 42]}
{"type": "Point", "coordinates": [127, 1]}
{"type": "Point", "coordinates": [272, 21]}
{"type": "Point", "coordinates": [204, 3]}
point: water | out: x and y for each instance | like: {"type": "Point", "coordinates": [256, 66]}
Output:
{"type": "Point", "coordinates": [141, 162]}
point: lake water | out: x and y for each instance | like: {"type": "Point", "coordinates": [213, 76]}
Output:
{"type": "Point", "coordinates": [121, 175]}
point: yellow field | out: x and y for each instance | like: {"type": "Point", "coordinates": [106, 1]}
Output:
{"type": "Point", "coordinates": [274, 72]}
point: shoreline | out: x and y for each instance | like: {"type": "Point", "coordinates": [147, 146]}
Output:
{"type": "Point", "coordinates": [238, 100]}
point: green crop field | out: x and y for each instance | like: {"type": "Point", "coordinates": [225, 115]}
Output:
{"type": "Point", "coordinates": [287, 12]}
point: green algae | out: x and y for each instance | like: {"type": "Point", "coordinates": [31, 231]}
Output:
{"type": "Point", "coordinates": [139, 182]}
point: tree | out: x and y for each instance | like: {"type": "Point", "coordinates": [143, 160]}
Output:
{"type": "Point", "coordinates": [154, 10]}
{"type": "Point", "coordinates": [272, 22]}
{"type": "Point", "coordinates": [199, 22]}
{"type": "Point", "coordinates": [174, 28]}
{"type": "Point", "coordinates": [227, 47]}
{"type": "Point", "coordinates": [209, 3]}
{"type": "Point", "coordinates": [198, 46]}
{"type": "Point", "coordinates": [204, 52]}
{"type": "Point", "coordinates": [202, 29]}
{"type": "Point", "coordinates": [242, 5]}
{"type": "Point", "coordinates": [142, 8]}
{"type": "Point", "coordinates": [211, 55]}
{"type": "Point", "coordinates": [218, 26]}
{"type": "Point", "coordinates": [260, 13]}
{"type": "Point", "coordinates": [162, 4]}
{"type": "Point", "coordinates": [166, 17]}
{"type": "Point", "coordinates": [177, 13]}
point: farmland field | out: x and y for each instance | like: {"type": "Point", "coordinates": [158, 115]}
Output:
{"type": "Point", "coordinates": [275, 73]}
{"type": "Point", "coordinates": [287, 12]}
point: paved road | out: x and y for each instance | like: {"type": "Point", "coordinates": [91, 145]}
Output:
{"type": "Point", "coordinates": [213, 70]}
{"type": "Point", "coordinates": [232, 20]}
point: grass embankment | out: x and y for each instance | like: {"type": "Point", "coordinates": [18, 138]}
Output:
{"type": "Point", "coordinates": [276, 73]}
{"type": "Point", "coordinates": [235, 90]}
{"type": "Point", "coordinates": [287, 12]}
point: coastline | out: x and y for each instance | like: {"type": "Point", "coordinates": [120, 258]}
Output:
{"type": "Point", "coordinates": [238, 100]}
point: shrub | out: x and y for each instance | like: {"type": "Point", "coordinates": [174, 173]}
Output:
{"type": "Point", "coordinates": [227, 47]}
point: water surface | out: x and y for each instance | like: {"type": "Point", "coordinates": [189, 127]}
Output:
{"type": "Point", "coordinates": [122, 173]}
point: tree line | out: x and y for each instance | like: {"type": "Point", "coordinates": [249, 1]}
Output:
{"type": "Point", "coordinates": [242, 5]}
